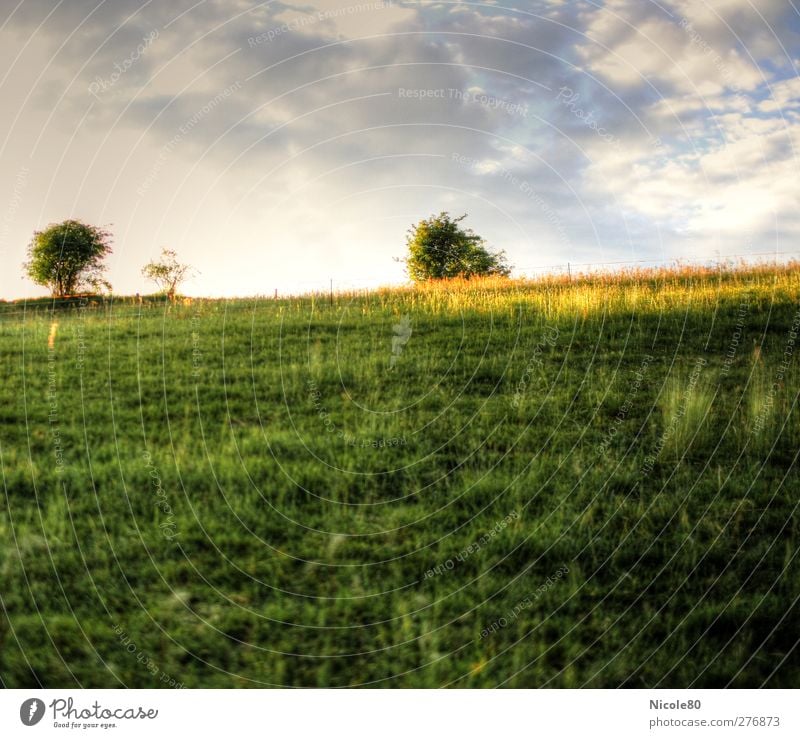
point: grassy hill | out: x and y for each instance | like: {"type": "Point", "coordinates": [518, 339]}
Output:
{"type": "Point", "coordinates": [587, 483]}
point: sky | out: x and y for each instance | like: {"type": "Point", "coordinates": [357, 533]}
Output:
{"type": "Point", "coordinates": [280, 145]}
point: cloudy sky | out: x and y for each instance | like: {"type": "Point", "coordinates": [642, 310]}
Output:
{"type": "Point", "coordinates": [283, 144]}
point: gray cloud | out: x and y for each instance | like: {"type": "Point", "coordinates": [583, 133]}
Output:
{"type": "Point", "coordinates": [589, 132]}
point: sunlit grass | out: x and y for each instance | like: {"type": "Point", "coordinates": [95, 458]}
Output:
{"type": "Point", "coordinates": [641, 426]}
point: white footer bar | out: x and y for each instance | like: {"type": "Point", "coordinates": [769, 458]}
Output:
{"type": "Point", "coordinates": [401, 713]}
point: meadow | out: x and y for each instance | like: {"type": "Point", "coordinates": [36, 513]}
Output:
{"type": "Point", "coordinates": [559, 483]}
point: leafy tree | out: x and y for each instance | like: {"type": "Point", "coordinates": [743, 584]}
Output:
{"type": "Point", "coordinates": [68, 256]}
{"type": "Point", "coordinates": [439, 248]}
{"type": "Point", "coordinates": [168, 273]}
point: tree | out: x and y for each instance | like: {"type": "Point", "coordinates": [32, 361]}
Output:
{"type": "Point", "coordinates": [167, 272]}
{"type": "Point", "coordinates": [68, 256]}
{"type": "Point", "coordinates": [439, 248]}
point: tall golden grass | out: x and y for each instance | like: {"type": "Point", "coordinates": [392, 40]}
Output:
{"type": "Point", "coordinates": [660, 288]}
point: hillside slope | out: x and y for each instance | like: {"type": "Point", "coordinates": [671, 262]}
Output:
{"type": "Point", "coordinates": [516, 484]}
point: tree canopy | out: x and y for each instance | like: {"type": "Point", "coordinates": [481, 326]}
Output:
{"type": "Point", "coordinates": [67, 257]}
{"type": "Point", "coordinates": [439, 248]}
{"type": "Point", "coordinates": [168, 273]}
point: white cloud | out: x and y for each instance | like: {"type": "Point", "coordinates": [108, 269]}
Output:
{"type": "Point", "coordinates": [634, 45]}
{"type": "Point", "coordinates": [316, 158]}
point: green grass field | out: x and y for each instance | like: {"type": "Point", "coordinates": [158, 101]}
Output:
{"type": "Point", "coordinates": [549, 484]}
